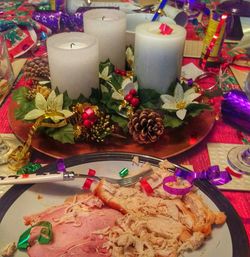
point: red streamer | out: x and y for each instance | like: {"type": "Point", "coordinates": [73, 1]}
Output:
{"type": "Point", "coordinates": [213, 41]}
{"type": "Point", "coordinates": [146, 186]}
{"type": "Point", "coordinates": [231, 172]}
{"type": "Point", "coordinates": [88, 182]}
{"type": "Point", "coordinates": [165, 29]}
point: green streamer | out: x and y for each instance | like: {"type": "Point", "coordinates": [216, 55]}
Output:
{"type": "Point", "coordinates": [44, 237]}
{"type": "Point", "coordinates": [124, 172]}
{"type": "Point", "coordinates": [30, 168]}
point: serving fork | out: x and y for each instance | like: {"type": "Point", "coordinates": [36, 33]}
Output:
{"type": "Point", "coordinates": [67, 176]}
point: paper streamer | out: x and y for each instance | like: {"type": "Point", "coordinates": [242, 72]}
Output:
{"type": "Point", "coordinates": [235, 109]}
{"type": "Point", "coordinates": [212, 174]}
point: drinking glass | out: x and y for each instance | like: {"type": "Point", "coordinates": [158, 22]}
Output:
{"type": "Point", "coordinates": [6, 72]}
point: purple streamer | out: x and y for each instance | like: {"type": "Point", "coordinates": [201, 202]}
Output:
{"type": "Point", "coordinates": [235, 109]}
{"type": "Point", "coordinates": [60, 165]}
{"type": "Point", "coordinates": [212, 174]}
{"type": "Point", "coordinates": [175, 191]}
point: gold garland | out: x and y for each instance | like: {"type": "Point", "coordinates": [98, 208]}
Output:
{"type": "Point", "coordinates": [20, 156]}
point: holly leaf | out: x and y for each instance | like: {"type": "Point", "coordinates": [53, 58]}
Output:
{"type": "Point", "coordinates": [149, 98]}
{"type": "Point", "coordinates": [196, 109]}
{"type": "Point", "coordinates": [121, 121]}
{"type": "Point", "coordinates": [19, 95]}
{"type": "Point", "coordinates": [103, 65]}
{"type": "Point", "coordinates": [171, 121]}
{"type": "Point", "coordinates": [64, 134]}
{"type": "Point", "coordinates": [24, 105]}
{"type": "Point", "coordinates": [67, 101]}
{"type": "Point", "coordinates": [95, 96]}
{"type": "Point", "coordinates": [171, 88]}
{"type": "Point", "coordinates": [116, 80]}
{"type": "Point", "coordinates": [81, 99]}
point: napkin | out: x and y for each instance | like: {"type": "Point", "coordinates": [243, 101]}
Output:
{"type": "Point", "coordinates": [12, 142]}
{"type": "Point", "coordinates": [218, 156]}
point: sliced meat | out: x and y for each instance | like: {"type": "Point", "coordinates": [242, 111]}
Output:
{"type": "Point", "coordinates": [73, 225]}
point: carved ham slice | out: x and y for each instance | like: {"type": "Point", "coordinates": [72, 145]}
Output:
{"type": "Point", "coordinates": [73, 224]}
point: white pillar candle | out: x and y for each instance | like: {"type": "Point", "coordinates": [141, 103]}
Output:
{"type": "Point", "coordinates": [73, 62]}
{"type": "Point", "coordinates": [158, 57]}
{"type": "Point", "coordinates": [109, 26]}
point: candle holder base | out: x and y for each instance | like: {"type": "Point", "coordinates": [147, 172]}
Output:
{"type": "Point", "coordinates": [239, 159]}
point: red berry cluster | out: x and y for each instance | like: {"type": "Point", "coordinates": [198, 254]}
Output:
{"type": "Point", "coordinates": [132, 98]}
{"type": "Point", "coordinates": [89, 117]}
{"type": "Point", "coordinates": [120, 72]}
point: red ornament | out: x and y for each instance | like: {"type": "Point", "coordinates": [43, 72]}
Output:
{"type": "Point", "coordinates": [135, 101]}
{"type": "Point", "coordinates": [90, 113]}
{"type": "Point", "coordinates": [128, 98]}
{"type": "Point", "coordinates": [87, 123]}
{"type": "Point", "coordinates": [85, 116]}
{"type": "Point", "coordinates": [89, 117]}
{"type": "Point", "coordinates": [133, 92]}
{"type": "Point", "coordinates": [120, 72]}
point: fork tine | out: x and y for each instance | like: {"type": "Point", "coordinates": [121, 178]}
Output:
{"type": "Point", "coordinates": [122, 181]}
{"type": "Point", "coordinates": [132, 180]}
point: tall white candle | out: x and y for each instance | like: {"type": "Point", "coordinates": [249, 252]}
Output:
{"type": "Point", "coordinates": [158, 57]}
{"type": "Point", "coordinates": [109, 26]}
{"type": "Point", "coordinates": [73, 62]}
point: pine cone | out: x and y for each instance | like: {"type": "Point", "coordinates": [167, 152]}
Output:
{"type": "Point", "coordinates": [37, 69]}
{"type": "Point", "coordinates": [146, 126]}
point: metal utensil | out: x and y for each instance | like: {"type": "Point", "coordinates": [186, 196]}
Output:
{"type": "Point", "coordinates": [66, 176]}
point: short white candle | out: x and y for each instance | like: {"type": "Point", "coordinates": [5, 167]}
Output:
{"type": "Point", "coordinates": [109, 26]}
{"type": "Point", "coordinates": [158, 57]}
{"type": "Point", "coordinates": [73, 62]}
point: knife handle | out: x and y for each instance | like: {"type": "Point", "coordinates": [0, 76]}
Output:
{"type": "Point", "coordinates": [32, 179]}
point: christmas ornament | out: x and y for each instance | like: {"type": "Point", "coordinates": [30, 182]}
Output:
{"type": "Point", "coordinates": [43, 90]}
{"type": "Point", "coordinates": [101, 129]}
{"type": "Point", "coordinates": [89, 117]}
{"type": "Point", "coordinates": [146, 126]}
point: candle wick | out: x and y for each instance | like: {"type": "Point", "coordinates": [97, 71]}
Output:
{"type": "Point", "coordinates": [103, 17]}
{"type": "Point", "coordinates": [72, 44]}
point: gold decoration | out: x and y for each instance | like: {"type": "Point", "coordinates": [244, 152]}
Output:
{"type": "Point", "coordinates": [21, 155]}
{"type": "Point", "coordinates": [43, 90]}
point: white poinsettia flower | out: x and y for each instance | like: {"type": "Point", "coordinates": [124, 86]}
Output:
{"type": "Point", "coordinates": [105, 74]}
{"type": "Point", "coordinates": [180, 100]}
{"type": "Point", "coordinates": [126, 86]}
{"type": "Point", "coordinates": [49, 107]}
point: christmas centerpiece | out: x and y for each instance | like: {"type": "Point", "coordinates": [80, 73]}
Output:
{"type": "Point", "coordinates": [138, 104]}
{"type": "Point", "coordinates": [118, 108]}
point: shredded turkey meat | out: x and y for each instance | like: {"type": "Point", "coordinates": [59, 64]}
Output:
{"type": "Point", "coordinates": [159, 225]}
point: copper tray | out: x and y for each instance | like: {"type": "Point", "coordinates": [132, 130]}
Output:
{"type": "Point", "coordinates": [177, 141]}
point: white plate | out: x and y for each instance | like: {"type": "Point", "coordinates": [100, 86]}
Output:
{"type": "Point", "coordinates": [229, 240]}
